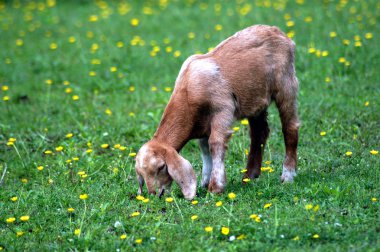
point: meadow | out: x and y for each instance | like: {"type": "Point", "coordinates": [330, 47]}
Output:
{"type": "Point", "coordinates": [84, 84]}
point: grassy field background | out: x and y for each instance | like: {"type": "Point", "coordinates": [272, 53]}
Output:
{"type": "Point", "coordinates": [84, 84]}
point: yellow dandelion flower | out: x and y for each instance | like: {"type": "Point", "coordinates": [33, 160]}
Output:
{"type": "Point", "coordinates": [83, 196]}
{"type": "Point", "coordinates": [191, 35]}
{"type": "Point", "coordinates": [235, 129]}
{"type": "Point", "coordinates": [231, 195]}
{"type": "Point", "coordinates": [219, 203]}
{"type": "Point", "coordinates": [243, 170]}
{"type": "Point", "coordinates": [208, 229]}
{"type": "Point", "coordinates": [374, 152]}
{"type": "Point", "coordinates": [268, 162]}
{"type": "Point", "coordinates": [72, 39]}
{"type": "Point", "coordinates": [24, 180]}
{"type": "Point", "coordinates": [218, 27]}
{"type": "Point", "coordinates": [241, 237]}
{"type": "Point", "coordinates": [327, 80]}
{"type": "Point", "coordinates": [323, 133]}
{"type": "Point", "coordinates": [145, 200]}
{"type": "Point", "coordinates": [358, 44]}
{"type": "Point", "coordinates": [24, 218]}
{"type": "Point", "coordinates": [194, 202]}
{"type": "Point", "coordinates": [253, 216]}
{"type": "Point", "coordinates": [316, 208]}
{"type": "Point", "coordinates": [11, 220]}
{"type": "Point", "coordinates": [77, 231]}
{"type": "Point", "coordinates": [76, 158]}
{"type": "Point", "coordinates": [48, 152]}
{"type": "Point", "coordinates": [14, 199]}
{"type": "Point", "coordinates": [138, 241]}
{"type": "Point", "coordinates": [53, 46]}
{"type": "Point", "coordinates": [113, 69]}
{"type": "Point", "coordinates": [19, 233]}
{"type": "Point", "coordinates": [316, 236]}
{"type": "Point", "coordinates": [122, 148]}
{"type": "Point", "coordinates": [4, 88]}
{"type": "Point", "coordinates": [333, 34]}
{"type": "Point", "coordinates": [132, 154]}
{"type": "Point", "coordinates": [169, 199]}
{"type": "Point", "coordinates": [68, 90]}
{"type": "Point", "coordinates": [312, 50]}
{"type": "Point", "coordinates": [308, 206]}
{"type": "Point", "coordinates": [225, 230]}
{"type": "Point", "coordinates": [268, 205]}
{"type": "Point", "coordinates": [244, 122]}
{"type": "Point", "coordinates": [342, 60]}
{"type": "Point", "coordinates": [93, 18]}
{"type": "Point", "coordinates": [194, 217]}
{"type": "Point", "coordinates": [19, 42]}
{"type": "Point", "coordinates": [70, 210]}
{"type": "Point", "coordinates": [119, 44]}
{"type": "Point", "coordinates": [134, 214]}
{"type": "Point", "coordinates": [368, 35]}
{"type": "Point", "coordinates": [69, 135]}
{"type": "Point", "coordinates": [168, 89]}
{"type": "Point", "coordinates": [75, 97]}
{"type": "Point", "coordinates": [105, 146]}
{"type": "Point", "coordinates": [290, 23]}
{"type": "Point", "coordinates": [366, 103]}
{"type": "Point", "coordinates": [89, 151]}
{"type": "Point", "coordinates": [59, 148]}
{"type": "Point", "coordinates": [66, 83]}
{"type": "Point", "coordinates": [296, 238]}
{"type": "Point", "coordinates": [139, 197]}
{"type": "Point", "coordinates": [374, 199]}
{"type": "Point", "coordinates": [308, 19]}
{"type": "Point", "coordinates": [40, 167]}
{"type": "Point", "coordinates": [246, 180]}
{"type": "Point", "coordinates": [348, 153]}
{"type": "Point", "coordinates": [325, 53]}
{"type": "Point", "coordinates": [177, 53]}
{"type": "Point", "coordinates": [135, 22]}
{"type": "Point", "coordinates": [92, 73]}
{"type": "Point", "coordinates": [123, 236]}
{"type": "Point", "coordinates": [48, 82]}
{"type": "Point", "coordinates": [346, 42]}
{"type": "Point", "coordinates": [12, 140]}
{"type": "Point", "coordinates": [132, 89]}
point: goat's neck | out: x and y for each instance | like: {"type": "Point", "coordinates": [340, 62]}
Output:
{"type": "Point", "coordinates": [176, 125]}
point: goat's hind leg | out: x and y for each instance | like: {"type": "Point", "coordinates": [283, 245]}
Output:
{"type": "Point", "coordinates": [207, 161]}
{"type": "Point", "coordinates": [287, 106]}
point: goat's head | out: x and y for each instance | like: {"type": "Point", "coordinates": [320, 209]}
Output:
{"type": "Point", "coordinates": [158, 165]}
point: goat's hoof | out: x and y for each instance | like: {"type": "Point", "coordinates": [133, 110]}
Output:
{"type": "Point", "coordinates": [215, 188]}
{"type": "Point", "coordinates": [288, 176]}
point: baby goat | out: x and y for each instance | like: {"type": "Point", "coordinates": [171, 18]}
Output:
{"type": "Point", "coordinates": [238, 79]}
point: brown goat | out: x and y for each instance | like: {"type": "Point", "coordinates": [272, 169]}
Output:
{"type": "Point", "coordinates": [238, 79]}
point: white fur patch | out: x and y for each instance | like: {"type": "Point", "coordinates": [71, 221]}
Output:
{"type": "Point", "coordinates": [288, 174]}
{"type": "Point", "coordinates": [204, 67]}
{"type": "Point", "coordinates": [218, 172]}
{"type": "Point", "coordinates": [184, 66]}
{"type": "Point", "coordinates": [207, 162]}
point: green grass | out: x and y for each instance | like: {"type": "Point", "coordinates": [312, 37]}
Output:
{"type": "Point", "coordinates": [38, 115]}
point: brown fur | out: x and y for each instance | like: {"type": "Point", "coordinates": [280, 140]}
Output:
{"type": "Point", "coordinates": [238, 79]}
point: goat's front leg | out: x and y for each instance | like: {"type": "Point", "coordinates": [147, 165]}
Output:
{"type": "Point", "coordinates": [207, 161]}
{"type": "Point", "coordinates": [220, 134]}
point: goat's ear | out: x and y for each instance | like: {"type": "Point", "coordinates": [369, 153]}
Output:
{"type": "Point", "coordinates": [182, 172]}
